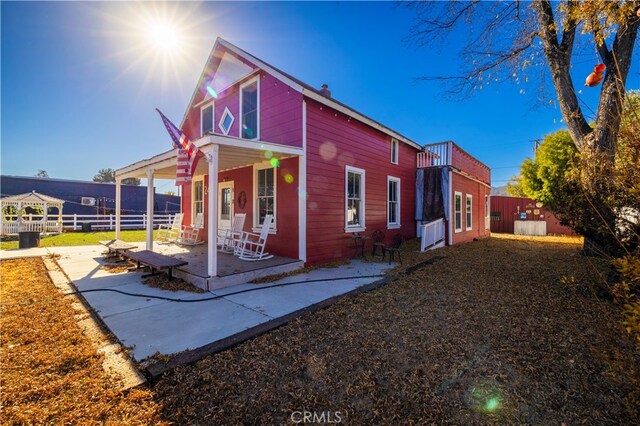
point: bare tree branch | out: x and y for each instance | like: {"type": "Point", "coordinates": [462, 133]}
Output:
{"type": "Point", "coordinates": [559, 60]}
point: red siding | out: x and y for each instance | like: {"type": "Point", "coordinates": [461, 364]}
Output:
{"type": "Point", "coordinates": [285, 241]}
{"type": "Point", "coordinates": [469, 165]}
{"type": "Point", "coordinates": [280, 109]}
{"type": "Point", "coordinates": [333, 142]}
{"type": "Point", "coordinates": [510, 208]}
{"type": "Point", "coordinates": [478, 191]}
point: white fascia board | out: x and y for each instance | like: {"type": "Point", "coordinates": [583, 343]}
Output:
{"type": "Point", "coordinates": [277, 74]}
{"type": "Point", "coordinates": [348, 111]}
{"type": "Point", "coordinates": [247, 144]}
{"type": "Point", "coordinates": [138, 168]}
{"type": "Point", "coordinates": [246, 77]}
{"type": "Point", "coordinates": [195, 89]}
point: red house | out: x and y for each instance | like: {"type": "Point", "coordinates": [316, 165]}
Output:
{"type": "Point", "coordinates": [275, 145]}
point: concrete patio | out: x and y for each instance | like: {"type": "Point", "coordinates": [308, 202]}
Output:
{"type": "Point", "coordinates": [150, 326]}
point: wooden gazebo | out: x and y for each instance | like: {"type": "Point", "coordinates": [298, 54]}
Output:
{"type": "Point", "coordinates": [30, 213]}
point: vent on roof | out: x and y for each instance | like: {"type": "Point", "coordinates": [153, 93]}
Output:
{"type": "Point", "coordinates": [325, 90]}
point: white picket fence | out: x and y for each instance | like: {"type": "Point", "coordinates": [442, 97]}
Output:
{"type": "Point", "coordinates": [74, 222]}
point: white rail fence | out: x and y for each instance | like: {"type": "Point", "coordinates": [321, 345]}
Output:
{"type": "Point", "coordinates": [432, 235]}
{"type": "Point", "coordinates": [77, 222]}
{"type": "Point", "coordinates": [437, 154]}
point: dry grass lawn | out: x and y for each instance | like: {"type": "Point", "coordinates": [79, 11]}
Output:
{"type": "Point", "coordinates": [500, 331]}
{"type": "Point", "coordinates": [50, 371]}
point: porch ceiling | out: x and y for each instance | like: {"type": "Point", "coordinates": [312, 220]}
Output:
{"type": "Point", "coordinates": [233, 153]}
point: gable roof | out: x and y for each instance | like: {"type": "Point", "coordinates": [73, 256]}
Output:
{"type": "Point", "coordinates": [32, 197]}
{"type": "Point", "coordinates": [300, 86]}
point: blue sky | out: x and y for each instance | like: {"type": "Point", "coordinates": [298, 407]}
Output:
{"type": "Point", "coordinates": [81, 80]}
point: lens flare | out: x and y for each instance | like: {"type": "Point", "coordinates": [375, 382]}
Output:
{"type": "Point", "coordinates": [492, 404]}
{"type": "Point", "coordinates": [288, 178]}
{"type": "Point", "coordinates": [268, 155]}
{"type": "Point", "coordinates": [212, 92]}
{"type": "Point", "coordinates": [274, 162]}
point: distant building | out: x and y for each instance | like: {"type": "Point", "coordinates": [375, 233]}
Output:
{"type": "Point", "coordinates": [87, 198]}
{"type": "Point", "coordinates": [524, 216]}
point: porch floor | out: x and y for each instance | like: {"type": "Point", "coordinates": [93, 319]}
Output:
{"type": "Point", "coordinates": [228, 264]}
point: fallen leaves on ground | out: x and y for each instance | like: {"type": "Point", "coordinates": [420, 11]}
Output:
{"type": "Point", "coordinates": [176, 284]}
{"type": "Point", "coordinates": [50, 372]}
{"type": "Point", "coordinates": [497, 331]}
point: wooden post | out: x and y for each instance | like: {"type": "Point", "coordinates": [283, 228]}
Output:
{"type": "Point", "coordinates": [118, 206]}
{"type": "Point", "coordinates": [150, 194]}
{"type": "Point", "coordinates": [212, 214]}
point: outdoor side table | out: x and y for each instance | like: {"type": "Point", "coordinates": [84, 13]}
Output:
{"type": "Point", "coordinates": [359, 242]}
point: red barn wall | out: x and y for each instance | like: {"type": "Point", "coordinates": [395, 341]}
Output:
{"type": "Point", "coordinates": [333, 142]}
{"type": "Point", "coordinates": [510, 208]}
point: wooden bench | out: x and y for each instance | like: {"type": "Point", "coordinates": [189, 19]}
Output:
{"type": "Point", "coordinates": [155, 261]}
{"type": "Point", "coordinates": [116, 247]}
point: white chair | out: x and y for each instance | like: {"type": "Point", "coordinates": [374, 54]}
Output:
{"type": "Point", "coordinates": [251, 246]}
{"type": "Point", "coordinates": [229, 238]}
{"type": "Point", "coordinates": [171, 232]}
{"type": "Point", "coordinates": [190, 234]}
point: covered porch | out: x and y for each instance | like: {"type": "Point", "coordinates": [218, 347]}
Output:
{"type": "Point", "coordinates": [226, 156]}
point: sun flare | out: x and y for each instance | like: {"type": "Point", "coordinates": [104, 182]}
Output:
{"type": "Point", "coordinates": [163, 36]}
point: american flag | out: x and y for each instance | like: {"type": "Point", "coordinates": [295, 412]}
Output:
{"type": "Point", "coordinates": [188, 153]}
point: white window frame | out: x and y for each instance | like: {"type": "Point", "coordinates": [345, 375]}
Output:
{"type": "Point", "coordinates": [456, 212]}
{"type": "Point", "coordinates": [213, 117]}
{"type": "Point", "coordinates": [394, 225]}
{"type": "Point", "coordinates": [487, 208]}
{"type": "Point", "coordinates": [361, 226]}
{"type": "Point", "coordinates": [468, 212]}
{"type": "Point", "coordinates": [242, 86]}
{"type": "Point", "coordinates": [220, 123]}
{"type": "Point", "coordinates": [193, 196]}
{"type": "Point", "coordinates": [395, 151]}
{"type": "Point", "coordinates": [256, 206]}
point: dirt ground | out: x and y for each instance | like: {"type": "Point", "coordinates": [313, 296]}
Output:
{"type": "Point", "coordinates": [499, 331]}
{"type": "Point", "coordinates": [50, 372]}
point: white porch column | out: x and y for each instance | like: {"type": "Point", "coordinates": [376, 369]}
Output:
{"type": "Point", "coordinates": [118, 204]}
{"type": "Point", "coordinates": [150, 193]}
{"type": "Point", "coordinates": [302, 190]}
{"type": "Point", "coordinates": [212, 216]}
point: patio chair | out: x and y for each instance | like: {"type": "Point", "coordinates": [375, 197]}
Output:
{"type": "Point", "coordinates": [378, 242]}
{"type": "Point", "coordinates": [228, 239]}
{"type": "Point", "coordinates": [171, 232]}
{"type": "Point", "coordinates": [190, 234]}
{"type": "Point", "coordinates": [251, 246]}
{"type": "Point", "coordinates": [394, 248]}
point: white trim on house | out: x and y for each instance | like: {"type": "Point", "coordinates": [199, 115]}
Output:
{"type": "Point", "coordinates": [225, 113]}
{"type": "Point", "coordinates": [457, 229]}
{"type": "Point", "coordinates": [256, 226]}
{"type": "Point", "coordinates": [227, 87]}
{"type": "Point", "coordinates": [395, 151]}
{"type": "Point", "coordinates": [213, 117]}
{"type": "Point", "coordinates": [167, 159]}
{"type": "Point", "coordinates": [302, 190]}
{"type": "Point", "coordinates": [296, 86]}
{"type": "Point", "coordinates": [394, 225]}
{"type": "Point", "coordinates": [468, 212]}
{"type": "Point", "coordinates": [487, 208]}
{"type": "Point", "coordinates": [193, 198]}
{"type": "Point", "coordinates": [468, 176]}
{"type": "Point", "coordinates": [242, 86]}
{"type": "Point", "coordinates": [361, 219]}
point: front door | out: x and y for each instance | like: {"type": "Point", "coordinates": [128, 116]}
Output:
{"type": "Point", "coordinates": [225, 203]}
